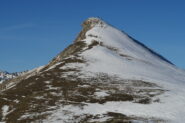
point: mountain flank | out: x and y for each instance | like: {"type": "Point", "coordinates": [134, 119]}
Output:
{"type": "Point", "coordinates": [104, 76]}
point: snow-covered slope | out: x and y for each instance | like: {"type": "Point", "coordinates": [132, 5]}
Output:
{"type": "Point", "coordinates": [119, 54]}
{"type": "Point", "coordinates": [104, 76]}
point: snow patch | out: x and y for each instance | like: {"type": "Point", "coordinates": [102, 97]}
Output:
{"type": "Point", "coordinates": [5, 109]}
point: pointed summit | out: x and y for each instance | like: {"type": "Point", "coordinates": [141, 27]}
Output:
{"type": "Point", "coordinates": [89, 24]}
{"type": "Point", "coordinates": [92, 21]}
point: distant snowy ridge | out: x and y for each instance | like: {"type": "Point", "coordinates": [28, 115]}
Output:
{"type": "Point", "coordinates": [4, 75]}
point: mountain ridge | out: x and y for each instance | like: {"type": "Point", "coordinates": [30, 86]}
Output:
{"type": "Point", "coordinates": [102, 68]}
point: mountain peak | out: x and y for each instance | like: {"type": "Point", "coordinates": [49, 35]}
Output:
{"type": "Point", "coordinates": [92, 21]}
{"type": "Point", "coordinates": [89, 24]}
{"type": "Point", "coordinates": [103, 68]}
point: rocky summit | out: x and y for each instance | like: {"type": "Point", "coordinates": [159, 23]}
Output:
{"type": "Point", "coordinates": [104, 76]}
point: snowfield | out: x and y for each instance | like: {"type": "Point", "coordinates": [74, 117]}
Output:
{"type": "Point", "coordinates": [143, 64]}
{"type": "Point", "coordinates": [130, 60]}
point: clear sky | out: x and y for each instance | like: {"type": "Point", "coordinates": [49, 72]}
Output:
{"type": "Point", "coordinates": [32, 32]}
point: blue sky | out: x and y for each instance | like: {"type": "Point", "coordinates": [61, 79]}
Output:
{"type": "Point", "coordinates": [33, 32]}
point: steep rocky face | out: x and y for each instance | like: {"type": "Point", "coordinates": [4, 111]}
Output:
{"type": "Point", "coordinates": [104, 76]}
